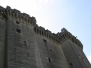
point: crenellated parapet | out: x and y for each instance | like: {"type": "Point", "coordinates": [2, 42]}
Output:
{"type": "Point", "coordinates": [46, 33]}
{"type": "Point", "coordinates": [64, 35]}
{"type": "Point", "coordinates": [14, 14]}
{"type": "Point", "coordinates": [59, 37]}
{"type": "Point", "coordinates": [17, 15]}
{"type": "Point", "coordinates": [2, 12]}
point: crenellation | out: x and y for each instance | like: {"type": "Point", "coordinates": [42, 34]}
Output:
{"type": "Point", "coordinates": [25, 14]}
{"type": "Point", "coordinates": [2, 12]}
{"type": "Point", "coordinates": [45, 33]}
{"type": "Point", "coordinates": [25, 18]}
{"type": "Point", "coordinates": [33, 21]}
{"type": "Point", "coordinates": [8, 10]}
{"type": "Point", "coordinates": [26, 45]}
{"type": "Point", "coordinates": [80, 44]}
{"type": "Point", "coordinates": [2, 9]}
{"type": "Point", "coordinates": [54, 38]}
{"type": "Point", "coordinates": [39, 32]}
{"type": "Point", "coordinates": [17, 15]}
{"type": "Point", "coordinates": [42, 28]}
{"type": "Point", "coordinates": [8, 7]}
{"type": "Point", "coordinates": [72, 39]}
{"type": "Point", "coordinates": [67, 35]}
{"type": "Point", "coordinates": [16, 11]}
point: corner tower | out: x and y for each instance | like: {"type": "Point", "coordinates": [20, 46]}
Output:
{"type": "Point", "coordinates": [2, 36]}
{"type": "Point", "coordinates": [73, 50]}
{"type": "Point", "coordinates": [24, 44]}
{"type": "Point", "coordinates": [20, 49]}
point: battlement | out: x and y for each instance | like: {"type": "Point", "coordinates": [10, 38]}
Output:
{"type": "Point", "coordinates": [26, 45]}
{"type": "Point", "coordinates": [59, 37]}
{"type": "Point", "coordinates": [2, 9]}
{"type": "Point", "coordinates": [17, 15]}
{"type": "Point", "coordinates": [64, 35]}
{"type": "Point", "coordinates": [2, 12]}
{"type": "Point", "coordinates": [23, 17]}
{"type": "Point", "coordinates": [46, 33]}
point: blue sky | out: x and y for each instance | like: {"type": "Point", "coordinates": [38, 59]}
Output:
{"type": "Point", "coordinates": [74, 15]}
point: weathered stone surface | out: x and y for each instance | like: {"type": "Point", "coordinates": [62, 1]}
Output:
{"type": "Point", "coordinates": [23, 44]}
{"type": "Point", "coordinates": [2, 42]}
{"type": "Point", "coordinates": [74, 55]}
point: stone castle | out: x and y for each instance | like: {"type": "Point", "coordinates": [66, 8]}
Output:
{"type": "Point", "coordinates": [24, 44]}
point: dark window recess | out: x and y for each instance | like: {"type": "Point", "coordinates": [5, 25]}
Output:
{"type": "Point", "coordinates": [49, 60]}
{"type": "Point", "coordinates": [35, 29]}
{"type": "Point", "coordinates": [18, 30]}
{"type": "Point", "coordinates": [42, 33]}
{"type": "Point", "coordinates": [51, 50]}
{"type": "Point", "coordinates": [71, 65]}
{"type": "Point", "coordinates": [44, 40]}
{"type": "Point", "coordinates": [24, 42]}
{"type": "Point", "coordinates": [17, 22]}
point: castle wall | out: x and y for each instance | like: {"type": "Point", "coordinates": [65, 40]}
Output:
{"type": "Point", "coordinates": [2, 41]}
{"type": "Point", "coordinates": [51, 54]}
{"type": "Point", "coordinates": [20, 45]}
{"type": "Point", "coordinates": [24, 44]}
{"type": "Point", "coordinates": [74, 55]}
{"type": "Point", "coordinates": [81, 56]}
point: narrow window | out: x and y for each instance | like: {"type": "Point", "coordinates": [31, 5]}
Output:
{"type": "Point", "coordinates": [49, 60]}
{"type": "Point", "coordinates": [35, 29]}
{"type": "Point", "coordinates": [24, 42]}
{"type": "Point", "coordinates": [18, 30]}
{"type": "Point", "coordinates": [17, 22]}
{"type": "Point", "coordinates": [42, 33]}
{"type": "Point", "coordinates": [71, 65]}
{"type": "Point", "coordinates": [44, 40]}
{"type": "Point", "coordinates": [51, 50]}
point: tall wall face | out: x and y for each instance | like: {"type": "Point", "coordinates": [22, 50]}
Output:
{"type": "Point", "coordinates": [20, 45]}
{"type": "Point", "coordinates": [49, 54]}
{"type": "Point", "coordinates": [74, 55]}
{"type": "Point", "coordinates": [25, 49]}
{"type": "Point", "coordinates": [23, 44]}
{"type": "Point", "coordinates": [2, 41]}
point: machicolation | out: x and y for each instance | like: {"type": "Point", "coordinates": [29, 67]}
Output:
{"type": "Point", "coordinates": [26, 19]}
{"type": "Point", "coordinates": [24, 44]}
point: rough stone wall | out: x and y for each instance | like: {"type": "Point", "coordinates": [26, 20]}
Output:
{"type": "Point", "coordinates": [2, 42]}
{"type": "Point", "coordinates": [26, 49]}
{"type": "Point", "coordinates": [20, 45]}
{"type": "Point", "coordinates": [24, 44]}
{"type": "Point", "coordinates": [50, 54]}
{"type": "Point", "coordinates": [74, 55]}
{"type": "Point", "coordinates": [81, 56]}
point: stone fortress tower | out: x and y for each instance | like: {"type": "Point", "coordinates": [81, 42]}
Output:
{"type": "Point", "coordinates": [23, 44]}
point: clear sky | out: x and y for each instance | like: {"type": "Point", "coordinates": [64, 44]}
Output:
{"type": "Point", "coordinates": [74, 15]}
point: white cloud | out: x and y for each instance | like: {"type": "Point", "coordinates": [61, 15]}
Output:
{"type": "Point", "coordinates": [89, 58]}
{"type": "Point", "coordinates": [28, 6]}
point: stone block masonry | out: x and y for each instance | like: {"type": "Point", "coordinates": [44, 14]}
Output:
{"type": "Point", "coordinates": [24, 44]}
